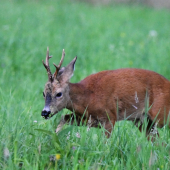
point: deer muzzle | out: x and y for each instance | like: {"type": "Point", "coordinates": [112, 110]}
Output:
{"type": "Point", "coordinates": [46, 111]}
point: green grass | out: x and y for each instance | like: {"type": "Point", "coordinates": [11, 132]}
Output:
{"type": "Point", "coordinates": [103, 37]}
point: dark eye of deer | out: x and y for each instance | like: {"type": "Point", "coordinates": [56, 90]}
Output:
{"type": "Point", "coordinates": [58, 95]}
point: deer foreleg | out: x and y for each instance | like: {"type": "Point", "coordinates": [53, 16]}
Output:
{"type": "Point", "coordinates": [66, 119]}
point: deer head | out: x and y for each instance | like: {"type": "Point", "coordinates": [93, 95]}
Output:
{"type": "Point", "coordinates": [56, 92]}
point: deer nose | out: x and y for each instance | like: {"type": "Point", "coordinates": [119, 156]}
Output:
{"type": "Point", "coordinates": [45, 114]}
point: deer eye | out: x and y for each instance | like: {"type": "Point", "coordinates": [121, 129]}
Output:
{"type": "Point", "coordinates": [43, 94]}
{"type": "Point", "coordinates": [58, 95]}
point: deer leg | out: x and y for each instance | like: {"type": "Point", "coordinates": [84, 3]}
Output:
{"type": "Point", "coordinates": [109, 127]}
{"type": "Point", "coordinates": [66, 119]}
{"type": "Point", "coordinates": [61, 124]}
{"type": "Point", "coordinates": [70, 118]}
{"type": "Point", "coordinates": [151, 130]}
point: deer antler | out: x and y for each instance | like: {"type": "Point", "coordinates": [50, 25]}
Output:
{"type": "Point", "coordinates": [58, 67]}
{"type": "Point", "coordinates": [46, 65]}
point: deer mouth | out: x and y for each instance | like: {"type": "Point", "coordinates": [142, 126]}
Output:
{"type": "Point", "coordinates": [47, 115]}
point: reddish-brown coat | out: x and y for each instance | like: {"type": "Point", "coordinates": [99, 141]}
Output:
{"type": "Point", "coordinates": [100, 94]}
{"type": "Point", "coordinates": [108, 96]}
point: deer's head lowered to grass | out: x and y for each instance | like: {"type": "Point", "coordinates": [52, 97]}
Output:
{"type": "Point", "coordinates": [56, 91]}
{"type": "Point", "coordinates": [108, 96]}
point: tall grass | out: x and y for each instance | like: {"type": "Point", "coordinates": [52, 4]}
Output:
{"type": "Point", "coordinates": [103, 37]}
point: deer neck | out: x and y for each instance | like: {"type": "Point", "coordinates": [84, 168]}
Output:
{"type": "Point", "coordinates": [79, 98]}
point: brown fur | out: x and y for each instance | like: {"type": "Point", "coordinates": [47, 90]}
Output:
{"type": "Point", "coordinates": [114, 95]}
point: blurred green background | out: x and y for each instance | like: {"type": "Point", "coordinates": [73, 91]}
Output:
{"type": "Point", "coordinates": [104, 37]}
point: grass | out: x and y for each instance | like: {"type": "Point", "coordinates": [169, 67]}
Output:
{"type": "Point", "coordinates": [103, 37]}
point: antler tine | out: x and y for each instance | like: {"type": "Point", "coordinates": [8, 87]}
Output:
{"type": "Point", "coordinates": [46, 65]}
{"type": "Point", "coordinates": [47, 57]}
{"type": "Point", "coordinates": [61, 61]}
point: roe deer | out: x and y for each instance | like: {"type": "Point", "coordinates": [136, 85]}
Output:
{"type": "Point", "coordinates": [108, 96]}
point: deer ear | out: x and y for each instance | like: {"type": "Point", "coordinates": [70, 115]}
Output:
{"type": "Point", "coordinates": [67, 72]}
{"type": "Point", "coordinates": [60, 72]}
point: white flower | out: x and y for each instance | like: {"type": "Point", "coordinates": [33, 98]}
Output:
{"type": "Point", "coordinates": [35, 121]}
{"type": "Point", "coordinates": [88, 128]}
{"type": "Point", "coordinates": [111, 47]}
{"type": "Point", "coordinates": [153, 33]}
{"type": "Point", "coordinates": [6, 153]}
{"type": "Point", "coordinates": [68, 136]}
{"type": "Point", "coordinates": [78, 135]}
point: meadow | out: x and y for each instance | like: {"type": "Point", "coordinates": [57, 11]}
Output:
{"type": "Point", "coordinates": [103, 38]}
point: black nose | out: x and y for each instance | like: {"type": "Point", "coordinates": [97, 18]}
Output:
{"type": "Point", "coordinates": [45, 114]}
